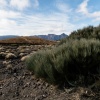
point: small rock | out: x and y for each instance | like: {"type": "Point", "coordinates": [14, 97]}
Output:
{"type": "Point", "coordinates": [39, 97]}
{"type": "Point", "coordinates": [24, 58]}
{"type": "Point", "coordinates": [0, 87]}
{"type": "Point", "coordinates": [26, 85]}
{"type": "Point", "coordinates": [9, 66]}
{"type": "Point", "coordinates": [1, 48]}
{"type": "Point", "coordinates": [44, 96]}
{"type": "Point", "coordinates": [9, 50]}
{"type": "Point", "coordinates": [22, 54]}
{"type": "Point", "coordinates": [22, 50]}
{"type": "Point", "coordinates": [47, 85]}
{"type": "Point", "coordinates": [10, 56]}
{"type": "Point", "coordinates": [6, 62]}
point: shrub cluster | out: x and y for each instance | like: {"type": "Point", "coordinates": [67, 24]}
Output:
{"type": "Point", "coordinates": [73, 62]}
{"type": "Point", "coordinates": [89, 32]}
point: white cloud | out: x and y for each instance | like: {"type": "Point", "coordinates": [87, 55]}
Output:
{"type": "Point", "coordinates": [20, 4]}
{"type": "Point", "coordinates": [64, 8]}
{"type": "Point", "coordinates": [3, 3]}
{"type": "Point", "coordinates": [37, 24]}
{"type": "Point", "coordinates": [6, 23]}
{"type": "Point", "coordinates": [83, 7]}
{"type": "Point", "coordinates": [9, 14]}
{"type": "Point", "coordinates": [20, 23]}
{"type": "Point", "coordinates": [95, 14]}
{"type": "Point", "coordinates": [55, 23]}
{"type": "Point", "coordinates": [17, 22]}
{"type": "Point", "coordinates": [36, 3]}
{"type": "Point", "coordinates": [7, 26]}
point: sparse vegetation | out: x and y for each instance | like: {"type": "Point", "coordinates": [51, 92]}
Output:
{"type": "Point", "coordinates": [26, 40]}
{"type": "Point", "coordinates": [89, 32]}
{"type": "Point", "coordinates": [73, 62]}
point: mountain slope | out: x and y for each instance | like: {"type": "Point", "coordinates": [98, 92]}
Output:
{"type": "Point", "coordinates": [26, 40]}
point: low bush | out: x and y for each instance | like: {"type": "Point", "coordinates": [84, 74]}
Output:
{"type": "Point", "coordinates": [73, 62]}
{"type": "Point", "coordinates": [89, 32]}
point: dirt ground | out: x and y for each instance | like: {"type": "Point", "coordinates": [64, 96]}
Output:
{"type": "Point", "coordinates": [17, 83]}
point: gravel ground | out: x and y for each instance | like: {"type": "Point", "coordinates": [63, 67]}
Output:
{"type": "Point", "coordinates": [17, 83]}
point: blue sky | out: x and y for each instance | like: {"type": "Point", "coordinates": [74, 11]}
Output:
{"type": "Point", "coordinates": [34, 17]}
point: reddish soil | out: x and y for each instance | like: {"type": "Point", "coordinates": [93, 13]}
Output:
{"type": "Point", "coordinates": [27, 40]}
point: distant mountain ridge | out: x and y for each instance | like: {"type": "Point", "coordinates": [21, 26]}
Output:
{"type": "Point", "coordinates": [53, 36]}
{"type": "Point", "coordinates": [47, 37]}
{"type": "Point", "coordinates": [7, 37]}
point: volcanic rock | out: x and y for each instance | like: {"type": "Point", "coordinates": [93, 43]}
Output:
{"type": "Point", "coordinates": [10, 56]}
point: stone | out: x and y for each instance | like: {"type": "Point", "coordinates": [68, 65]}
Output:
{"type": "Point", "coordinates": [6, 62]}
{"type": "Point", "coordinates": [11, 56]}
{"type": "Point", "coordinates": [9, 66]}
{"type": "Point", "coordinates": [22, 50]}
{"type": "Point", "coordinates": [8, 51]}
{"type": "Point", "coordinates": [22, 54]}
{"type": "Point", "coordinates": [24, 58]}
{"type": "Point", "coordinates": [1, 48]}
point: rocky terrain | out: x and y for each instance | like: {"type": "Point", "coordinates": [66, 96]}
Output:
{"type": "Point", "coordinates": [17, 83]}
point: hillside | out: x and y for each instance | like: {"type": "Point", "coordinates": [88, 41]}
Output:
{"type": "Point", "coordinates": [26, 40]}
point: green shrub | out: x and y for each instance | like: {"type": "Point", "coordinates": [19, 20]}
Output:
{"type": "Point", "coordinates": [89, 32]}
{"type": "Point", "coordinates": [73, 62]}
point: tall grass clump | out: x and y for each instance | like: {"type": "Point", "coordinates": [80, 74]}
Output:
{"type": "Point", "coordinates": [73, 62]}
